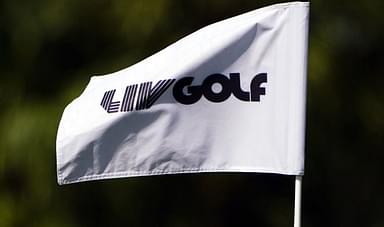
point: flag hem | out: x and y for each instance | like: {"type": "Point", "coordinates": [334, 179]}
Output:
{"type": "Point", "coordinates": [106, 176]}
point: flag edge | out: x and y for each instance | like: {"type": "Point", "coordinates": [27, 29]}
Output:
{"type": "Point", "coordinates": [108, 176]}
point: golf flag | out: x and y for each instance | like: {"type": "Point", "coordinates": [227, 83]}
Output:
{"type": "Point", "coordinates": [230, 97]}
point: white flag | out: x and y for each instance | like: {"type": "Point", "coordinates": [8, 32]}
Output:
{"type": "Point", "coordinates": [228, 98]}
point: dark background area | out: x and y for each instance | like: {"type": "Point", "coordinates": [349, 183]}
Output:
{"type": "Point", "coordinates": [50, 49]}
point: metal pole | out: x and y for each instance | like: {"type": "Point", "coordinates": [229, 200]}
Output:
{"type": "Point", "coordinates": [297, 215]}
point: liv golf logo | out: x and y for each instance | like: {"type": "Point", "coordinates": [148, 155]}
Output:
{"type": "Point", "coordinates": [139, 97]}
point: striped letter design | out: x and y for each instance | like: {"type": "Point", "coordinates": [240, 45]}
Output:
{"type": "Point", "coordinates": [145, 97]}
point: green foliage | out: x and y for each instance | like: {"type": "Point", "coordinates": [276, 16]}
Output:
{"type": "Point", "coordinates": [49, 50]}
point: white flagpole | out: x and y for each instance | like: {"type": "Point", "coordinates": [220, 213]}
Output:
{"type": "Point", "coordinates": [297, 215]}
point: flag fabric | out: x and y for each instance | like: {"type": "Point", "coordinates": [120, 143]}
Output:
{"type": "Point", "coordinates": [230, 97]}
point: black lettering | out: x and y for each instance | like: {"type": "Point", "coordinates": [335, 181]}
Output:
{"type": "Point", "coordinates": [108, 104]}
{"type": "Point", "coordinates": [256, 90]}
{"type": "Point", "coordinates": [236, 87]}
{"type": "Point", "coordinates": [194, 92]}
{"type": "Point", "coordinates": [142, 98]}
{"type": "Point", "coordinates": [158, 90]}
{"type": "Point", "coordinates": [225, 88]}
{"type": "Point", "coordinates": [129, 97]}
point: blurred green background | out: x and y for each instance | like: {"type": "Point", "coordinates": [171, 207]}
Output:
{"type": "Point", "coordinates": [49, 50]}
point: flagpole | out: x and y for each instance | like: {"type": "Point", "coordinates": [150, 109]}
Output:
{"type": "Point", "coordinates": [297, 215]}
